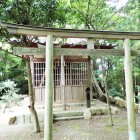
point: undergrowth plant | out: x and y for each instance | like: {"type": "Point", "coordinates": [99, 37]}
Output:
{"type": "Point", "coordinates": [8, 91]}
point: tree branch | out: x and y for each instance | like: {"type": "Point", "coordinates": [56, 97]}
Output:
{"type": "Point", "coordinates": [13, 54]}
{"type": "Point", "coordinates": [113, 22]}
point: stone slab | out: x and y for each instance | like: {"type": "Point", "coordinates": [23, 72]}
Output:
{"type": "Point", "coordinates": [67, 114]}
{"type": "Point", "coordinates": [68, 118]}
{"type": "Point", "coordinates": [87, 114]}
{"type": "Point", "coordinates": [114, 110]}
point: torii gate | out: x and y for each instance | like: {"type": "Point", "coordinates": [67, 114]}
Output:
{"type": "Point", "coordinates": [89, 34]}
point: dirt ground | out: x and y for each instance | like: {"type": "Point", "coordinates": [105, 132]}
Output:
{"type": "Point", "coordinates": [95, 129]}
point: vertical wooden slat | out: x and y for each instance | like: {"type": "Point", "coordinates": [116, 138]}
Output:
{"type": "Point", "coordinates": [32, 69]}
{"type": "Point", "coordinates": [66, 74]}
{"type": "Point", "coordinates": [33, 74]}
{"type": "Point", "coordinates": [72, 76]}
{"type": "Point", "coordinates": [91, 69]}
{"type": "Point", "coordinates": [57, 79]}
{"type": "Point", "coordinates": [129, 92]}
{"type": "Point", "coordinates": [44, 72]}
{"type": "Point", "coordinates": [85, 71]}
{"type": "Point", "coordinates": [79, 73]}
{"type": "Point", "coordinates": [74, 73]}
{"type": "Point", "coordinates": [72, 80]}
{"type": "Point", "coordinates": [82, 74]}
{"type": "Point", "coordinates": [70, 73]}
{"type": "Point", "coordinates": [36, 73]}
{"type": "Point", "coordinates": [63, 82]}
{"type": "Point", "coordinates": [56, 73]}
{"type": "Point", "coordinates": [48, 119]}
{"type": "Point", "coordinates": [78, 79]}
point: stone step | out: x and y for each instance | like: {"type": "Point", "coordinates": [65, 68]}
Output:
{"type": "Point", "coordinates": [71, 105]}
{"type": "Point", "coordinates": [67, 113]}
{"type": "Point", "coordinates": [68, 118]}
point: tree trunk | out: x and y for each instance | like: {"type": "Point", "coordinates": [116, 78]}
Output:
{"type": "Point", "coordinates": [108, 104]}
{"type": "Point", "coordinates": [97, 87]}
{"type": "Point", "coordinates": [105, 75]}
{"type": "Point", "coordinates": [31, 98]}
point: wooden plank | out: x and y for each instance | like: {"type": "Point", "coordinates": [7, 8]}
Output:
{"type": "Point", "coordinates": [57, 96]}
{"type": "Point", "coordinates": [68, 93]}
{"type": "Point", "coordinates": [80, 92]}
{"type": "Point", "coordinates": [75, 52]}
{"type": "Point", "coordinates": [37, 95]}
{"type": "Point", "coordinates": [93, 52]}
{"type": "Point", "coordinates": [129, 92]}
{"type": "Point", "coordinates": [74, 92]}
{"type": "Point", "coordinates": [84, 94]}
{"type": "Point", "coordinates": [43, 95]}
{"type": "Point", "coordinates": [40, 31]}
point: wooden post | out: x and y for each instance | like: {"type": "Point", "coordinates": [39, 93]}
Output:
{"type": "Point", "coordinates": [63, 82]}
{"type": "Point", "coordinates": [89, 77]}
{"type": "Point", "coordinates": [48, 120]}
{"type": "Point", "coordinates": [89, 83]}
{"type": "Point", "coordinates": [90, 45]}
{"type": "Point", "coordinates": [129, 92]}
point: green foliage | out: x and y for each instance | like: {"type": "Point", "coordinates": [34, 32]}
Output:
{"type": "Point", "coordinates": [80, 14]}
{"type": "Point", "coordinates": [94, 14]}
{"type": "Point", "coordinates": [33, 12]}
{"type": "Point", "coordinates": [131, 14]}
{"type": "Point", "coordinates": [113, 92]}
{"type": "Point", "coordinates": [138, 98]}
{"type": "Point", "coordinates": [22, 84]}
{"type": "Point", "coordinates": [8, 90]}
{"type": "Point", "coordinates": [11, 66]}
{"type": "Point", "coordinates": [110, 70]}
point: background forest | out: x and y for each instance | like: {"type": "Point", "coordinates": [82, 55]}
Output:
{"type": "Point", "coordinates": [111, 15]}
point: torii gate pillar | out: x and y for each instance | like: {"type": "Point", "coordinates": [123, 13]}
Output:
{"type": "Point", "coordinates": [49, 89]}
{"type": "Point", "coordinates": [129, 92]}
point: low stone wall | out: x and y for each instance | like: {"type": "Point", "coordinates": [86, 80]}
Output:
{"type": "Point", "coordinates": [21, 115]}
{"type": "Point", "coordinates": [121, 103]}
{"type": "Point", "coordinates": [85, 113]}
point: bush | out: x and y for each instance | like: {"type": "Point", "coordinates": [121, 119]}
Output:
{"type": "Point", "coordinates": [9, 91]}
{"type": "Point", "coordinates": [113, 92]}
{"type": "Point", "coordinates": [22, 84]}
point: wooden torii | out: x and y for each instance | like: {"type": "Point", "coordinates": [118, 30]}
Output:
{"type": "Point", "coordinates": [51, 51]}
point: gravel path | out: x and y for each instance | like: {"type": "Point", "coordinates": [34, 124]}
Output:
{"type": "Point", "coordinates": [95, 129]}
